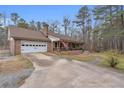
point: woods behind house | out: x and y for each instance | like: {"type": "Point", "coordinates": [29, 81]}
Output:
{"type": "Point", "coordinates": [100, 27]}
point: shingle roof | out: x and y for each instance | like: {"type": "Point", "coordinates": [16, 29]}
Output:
{"type": "Point", "coordinates": [64, 37]}
{"type": "Point", "coordinates": [21, 33]}
{"type": "Point", "coordinates": [27, 34]}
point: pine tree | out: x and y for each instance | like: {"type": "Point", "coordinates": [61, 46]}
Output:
{"type": "Point", "coordinates": [14, 18]}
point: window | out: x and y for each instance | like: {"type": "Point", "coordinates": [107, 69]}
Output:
{"type": "Point", "coordinates": [36, 45]}
{"type": "Point", "coordinates": [39, 45]}
{"type": "Point", "coordinates": [23, 45]}
{"type": "Point", "coordinates": [33, 45]}
{"type": "Point", "coordinates": [27, 45]}
{"type": "Point", "coordinates": [30, 45]}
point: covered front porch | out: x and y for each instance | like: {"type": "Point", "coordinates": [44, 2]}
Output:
{"type": "Point", "coordinates": [63, 46]}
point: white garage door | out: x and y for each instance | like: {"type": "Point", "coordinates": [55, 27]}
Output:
{"type": "Point", "coordinates": [32, 46]}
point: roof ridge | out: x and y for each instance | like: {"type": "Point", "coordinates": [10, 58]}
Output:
{"type": "Point", "coordinates": [23, 33]}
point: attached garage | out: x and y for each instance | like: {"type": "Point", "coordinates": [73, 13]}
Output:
{"type": "Point", "coordinates": [27, 41]}
{"type": "Point", "coordinates": [33, 46]}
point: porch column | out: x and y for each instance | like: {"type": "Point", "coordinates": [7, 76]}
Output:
{"type": "Point", "coordinates": [58, 45]}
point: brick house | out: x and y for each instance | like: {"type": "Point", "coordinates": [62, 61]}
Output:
{"type": "Point", "coordinates": [27, 41]}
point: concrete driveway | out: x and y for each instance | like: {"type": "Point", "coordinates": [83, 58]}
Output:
{"type": "Point", "coordinates": [63, 73]}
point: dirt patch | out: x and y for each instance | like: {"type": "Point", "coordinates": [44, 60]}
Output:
{"type": "Point", "coordinates": [44, 63]}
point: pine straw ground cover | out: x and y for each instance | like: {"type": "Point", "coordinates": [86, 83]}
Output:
{"type": "Point", "coordinates": [76, 55]}
{"type": "Point", "coordinates": [14, 72]}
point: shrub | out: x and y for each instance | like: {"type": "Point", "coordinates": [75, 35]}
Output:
{"type": "Point", "coordinates": [113, 61]}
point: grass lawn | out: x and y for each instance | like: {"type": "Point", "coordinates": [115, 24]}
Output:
{"type": "Point", "coordinates": [15, 65]}
{"type": "Point", "coordinates": [108, 54]}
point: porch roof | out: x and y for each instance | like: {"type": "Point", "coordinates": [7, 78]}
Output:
{"type": "Point", "coordinates": [64, 37]}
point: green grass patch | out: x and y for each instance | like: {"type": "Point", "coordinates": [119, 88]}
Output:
{"type": "Point", "coordinates": [116, 54]}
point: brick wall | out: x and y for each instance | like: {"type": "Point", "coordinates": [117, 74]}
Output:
{"type": "Point", "coordinates": [12, 41]}
{"type": "Point", "coordinates": [50, 47]}
{"type": "Point", "coordinates": [17, 50]}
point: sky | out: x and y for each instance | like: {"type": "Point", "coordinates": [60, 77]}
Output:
{"type": "Point", "coordinates": [42, 12]}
